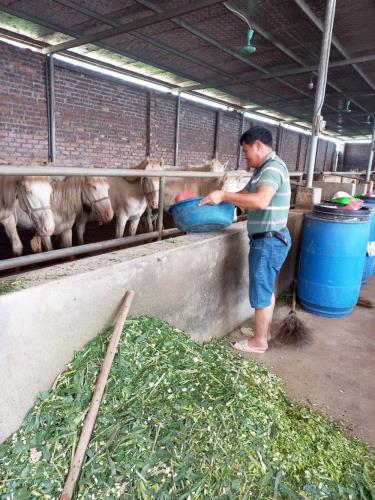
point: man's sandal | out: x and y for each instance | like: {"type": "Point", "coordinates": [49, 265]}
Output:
{"type": "Point", "coordinates": [249, 332]}
{"type": "Point", "coordinates": [243, 345]}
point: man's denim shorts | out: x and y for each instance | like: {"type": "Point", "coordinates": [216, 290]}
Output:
{"type": "Point", "coordinates": [266, 256]}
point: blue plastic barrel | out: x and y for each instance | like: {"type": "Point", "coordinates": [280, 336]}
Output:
{"type": "Point", "coordinates": [332, 259]}
{"type": "Point", "coordinates": [369, 268]}
{"type": "Point", "coordinates": [371, 202]}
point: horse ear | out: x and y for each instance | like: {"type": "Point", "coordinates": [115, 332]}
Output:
{"type": "Point", "coordinates": [143, 163]}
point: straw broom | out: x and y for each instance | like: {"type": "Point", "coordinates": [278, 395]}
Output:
{"type": "Point", "coordinates": [292, 330]}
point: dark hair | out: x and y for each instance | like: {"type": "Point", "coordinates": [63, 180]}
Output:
{"type": "Point", "coordinates": [261, 134]}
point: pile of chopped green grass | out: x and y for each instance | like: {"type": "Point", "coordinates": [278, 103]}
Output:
{"type": "Point", "coordinates": [181, 420]}
{"type": "Point", "coordinates": [8, 286]}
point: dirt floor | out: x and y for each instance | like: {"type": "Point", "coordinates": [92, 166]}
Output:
{"type": "Point", "coordinates": [336, 373]}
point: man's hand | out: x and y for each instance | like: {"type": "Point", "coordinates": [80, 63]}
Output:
{"type": "Point", "coordinates": [213, 198]}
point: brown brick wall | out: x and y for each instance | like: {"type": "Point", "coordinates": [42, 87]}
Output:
{"type": "Point", "coordinates": [289, 148]}
{"type": "Point", "coordinates": [197, 132]}
{"type": "Point", "coordinates": [101, 120]}
{"type": "Point", "coordinates": [228, 136]}
{"type": "Point", "coordinates": [163, 123]}
{"type": "Point", "coordinates": [98, 120]}
{"type": "Point", "coordinates": [23, 109]}
{"type": "Point", "coordinates": [356, 157]}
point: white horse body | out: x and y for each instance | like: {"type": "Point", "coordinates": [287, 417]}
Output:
{"type": "Point", "coordinates": [33, 204]}
{"type": "Point", "coordinates": [69, 197]}
{"type": "Point", "coordinates": [130, 196]}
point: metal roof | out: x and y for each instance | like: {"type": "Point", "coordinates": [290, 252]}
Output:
{"type": "Point", "coordinates": [196, 45]}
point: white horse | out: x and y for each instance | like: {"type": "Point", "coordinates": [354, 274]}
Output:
{"type": "Point", "coordinates": [130, 196]}
{"type": "Point", "coordinates": [200, 185]}
{"type": "Point", "coordinates": [70, 196]}
{"type": "Point", "coordinates": [33, 195]}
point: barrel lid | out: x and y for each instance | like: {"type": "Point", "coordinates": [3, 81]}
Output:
{"type": "Point", "coordinates": [335, 210]}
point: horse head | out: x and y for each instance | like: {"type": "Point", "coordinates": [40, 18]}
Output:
{"type": "Point", "coordinates": [150, 185]}
{"type": "Point", "coordinates": [34, 196]}
{"type": "Point", "coordinates": [95, 194]}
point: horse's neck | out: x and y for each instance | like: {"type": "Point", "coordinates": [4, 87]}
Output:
{"type": "Point", "coordinates": [67, 196]}
{"type": "Point", "coordinates": [8, 187]}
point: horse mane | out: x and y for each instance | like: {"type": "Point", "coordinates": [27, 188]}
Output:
{"type": "Point", "coordinates": [66, 196]}
{"type": "Point", "coordinates": [40, 178]}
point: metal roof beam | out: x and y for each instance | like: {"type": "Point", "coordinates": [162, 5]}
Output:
{"type": "Point", "coordinates": [335, 42]}
{"type": "Point", "coordinates": [54, 27]}
{"type": "Point", "coordinates": [289, 72]}
{"type": "Point", "coordinates": [148, 39]}
{"type": "Point", "coordinates": [132, 26]}
{"type": "Point", "coordinates": [180, 74]}
{"type": "Point", "coordinates": [300, 100]}
{"type": "Point", "coordinates": [289, 53]}
{"type": "Point", "coordinates": [151, 5]}
{"type": "Point", "coordinates": [59, 29]}
{"type": "Point", "coordinates": [157, 43]}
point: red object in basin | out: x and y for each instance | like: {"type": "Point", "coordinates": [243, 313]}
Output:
{"type": "Point", "coordinates": [185, 195]}
{"type": "Point", "coordinates": [354, 205]}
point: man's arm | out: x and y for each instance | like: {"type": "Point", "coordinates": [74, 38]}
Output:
{"type": "Point", "coordinates": [256, 201]}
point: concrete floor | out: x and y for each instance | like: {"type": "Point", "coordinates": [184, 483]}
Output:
{"type": "Point", "coordinates": [336, 373]}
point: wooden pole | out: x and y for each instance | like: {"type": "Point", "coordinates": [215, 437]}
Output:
{"type": "Point", "coordinates": [92, 413]}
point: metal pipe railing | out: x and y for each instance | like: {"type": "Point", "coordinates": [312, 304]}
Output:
{"type": "Point", "coordinates": [27, 260]}
{"type": "Point", "coordinates": [351, 175]}
{"type": "Point", "coordinates": [110, 172]}
{"type": "Point", "coordinates": [101, 172]}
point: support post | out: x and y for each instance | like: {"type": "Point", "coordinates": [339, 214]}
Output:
{"type": "Point", "coordinates": [148, 124]}
{"type": "Point", "coordinates": [298, 151]}
{"type": "Point", "coordinates": [239, 148]}
{"type": "Point", "coordinates": [325, 157]}
{"type": "Point", "coordinates": [334, 159]}
{"type": "Point", "coordinates": [321, 87]}
{"type": "Point", "coordinates": [161, 208]}
{"type": "Point", "coordinates": [177, 129]}
{"type": "Point", "coordinates": [279, 138]}
{"type": "Point", "coordinates": [372, 150]}
{"type": "Point", "coordinates": [216, 138]}
{"type": "Point", "coordinates": [50, 88]}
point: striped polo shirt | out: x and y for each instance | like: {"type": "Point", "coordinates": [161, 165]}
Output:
{"type": "Point", "coordinates": [273, 172]}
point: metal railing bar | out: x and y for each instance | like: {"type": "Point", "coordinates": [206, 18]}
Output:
{"type": "Point", "coordinates": [112, 172]}
{"type": "Point", "coordinates": [27, 260]}
{"type": "Point", "coordinates": [161, 208]}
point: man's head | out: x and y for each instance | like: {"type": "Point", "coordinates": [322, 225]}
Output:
{"type": "Point", "coordinates": [257, 145]}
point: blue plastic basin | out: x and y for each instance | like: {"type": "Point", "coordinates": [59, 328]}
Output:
{"type": "Point", "coordinates": [191, 218]}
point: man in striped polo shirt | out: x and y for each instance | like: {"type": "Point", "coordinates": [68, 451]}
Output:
{"type": "Point", "coordinates": [267, 201]}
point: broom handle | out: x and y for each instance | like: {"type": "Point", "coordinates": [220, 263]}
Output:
{"type": "Point", "coordinates": [294, 298]}
{"type": "Point", "coordinates": [92, 413]}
